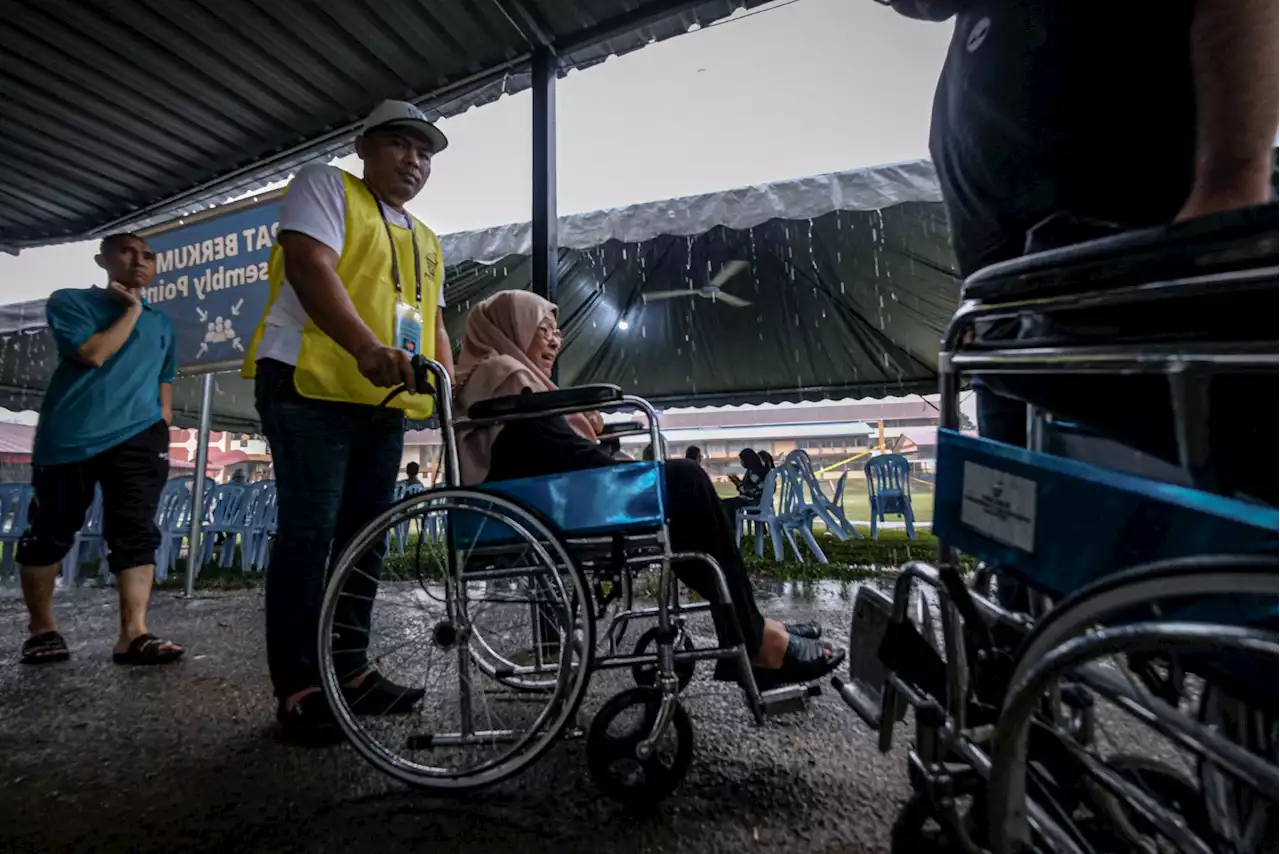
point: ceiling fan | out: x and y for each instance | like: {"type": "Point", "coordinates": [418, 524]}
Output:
{"type": "Point", "coordinates": [712, 291]}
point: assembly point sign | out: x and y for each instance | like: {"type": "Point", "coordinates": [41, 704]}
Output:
{"type": "Point", "coordinates": [211, 278]}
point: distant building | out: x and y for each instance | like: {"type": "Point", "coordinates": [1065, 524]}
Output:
{"type": "Point", "coordinates": [228, 453]}
{"type": "Point", "coordinates": [16, 441]}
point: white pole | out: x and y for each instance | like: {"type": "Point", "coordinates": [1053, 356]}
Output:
{"type": "Point", "coordinates": [194, 551]}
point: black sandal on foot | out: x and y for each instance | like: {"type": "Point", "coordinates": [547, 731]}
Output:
{"type": "Point", "coordinates": [809, 629]}
{"type": "Point", "coordinates": [149, 649]}
{"type": "Point", "coordinates": [45, 648]}
{"type": "Point", "coordinates": [806, 660]}
{"type": "Point", "coordinates": [378, 695]}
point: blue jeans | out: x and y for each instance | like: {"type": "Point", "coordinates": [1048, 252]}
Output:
{"type": "Point", "coordinates": [336, 467]}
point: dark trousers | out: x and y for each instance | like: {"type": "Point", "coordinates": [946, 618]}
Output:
{"type": "Point", "coordinates": [697, 523]}
{"type": "Point", "coordinates": [336, 467]}
{"type": "Point", "coordinates": [131, 476]}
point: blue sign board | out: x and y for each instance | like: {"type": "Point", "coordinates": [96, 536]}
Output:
{"type": "Point", "coordinates": [211, 280]}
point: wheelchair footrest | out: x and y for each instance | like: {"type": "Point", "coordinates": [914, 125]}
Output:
{"type": "Point", "coordinates": [867, 707]}
{"type": "Point", "coordinates": [872, 612]}
{"type": "Point", "coordinates": [789, 698]}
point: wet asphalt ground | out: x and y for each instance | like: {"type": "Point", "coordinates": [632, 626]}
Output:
{"type": "Point", "coordinates": [97, 757]}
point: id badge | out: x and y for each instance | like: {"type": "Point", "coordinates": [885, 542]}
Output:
{"type": "Point", "coordinates": [408, 329]}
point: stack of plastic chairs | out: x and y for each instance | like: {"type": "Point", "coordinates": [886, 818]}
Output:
{"type": "Point", "coordinates": [88, 544]}
{"type": "Point", "coordinates": [830, 511]}
{"type": "Point", "coordinates": [255, 550]}
{"type": "Point", "coordinates": [15, 509]}
{"type": "Point", "coordinates": [225, 516]}
{"type": "Point", "coordinates": [173, 517]}
{"type": "Point", "coordinates": [404, 489]}
{"type": "Point", "coordinates": [795, 515]}
{"type": "Point", "coordinates": [889, 488]}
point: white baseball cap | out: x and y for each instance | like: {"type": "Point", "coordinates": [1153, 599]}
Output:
{"type": "Point", "coordinates": [404, 114]}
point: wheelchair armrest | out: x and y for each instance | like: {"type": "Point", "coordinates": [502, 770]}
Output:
{"type": "Point", "coordinates": [621, 428]}
{"type": "Point", "coordinates": [536, 403]}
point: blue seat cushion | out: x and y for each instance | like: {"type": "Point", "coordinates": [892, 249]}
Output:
{"type": "Point", "coordinates": [628, 498]}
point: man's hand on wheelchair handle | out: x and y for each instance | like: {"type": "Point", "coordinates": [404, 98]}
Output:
{"type": "Point", "coordinates": [386, 367]}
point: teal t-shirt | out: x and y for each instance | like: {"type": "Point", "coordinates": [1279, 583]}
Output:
{"type": "Point", "coordinates": [88, 410]}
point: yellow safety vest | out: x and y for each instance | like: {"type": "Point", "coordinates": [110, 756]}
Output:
{"type": "Point", "coordinates": [325, 371]}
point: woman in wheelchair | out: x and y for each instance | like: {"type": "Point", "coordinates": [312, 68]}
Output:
{"type": "Point", "coordinates": [512, 341]}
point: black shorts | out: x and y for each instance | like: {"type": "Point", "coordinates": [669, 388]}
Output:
{"type": "Point", "coordinates": [132, 475]}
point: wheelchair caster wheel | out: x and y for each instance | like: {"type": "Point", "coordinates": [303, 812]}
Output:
{"type": "Point", "coordinates": [617, 731]}
{"type": "Point", "coordinates": [915, 830]}
{"type": "Point", "coordinates": [646, 675]}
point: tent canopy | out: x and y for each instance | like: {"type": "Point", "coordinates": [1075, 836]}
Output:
{"type": "Point", "coordinates": [122, 115]}
{"type": "Point", "coordinates": [850, 277]}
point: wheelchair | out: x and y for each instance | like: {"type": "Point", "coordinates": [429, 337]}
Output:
{"type": "Point", "coordinates": [1126, 700]}
{"type": "Point", "coordinates": [509, 599]}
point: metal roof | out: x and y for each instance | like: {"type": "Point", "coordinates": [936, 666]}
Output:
{"type": "Point", "coordinates": [124, 114]}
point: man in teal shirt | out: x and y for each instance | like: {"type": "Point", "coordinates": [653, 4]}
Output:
{"type": "Point", "coordinates": [104, 421]}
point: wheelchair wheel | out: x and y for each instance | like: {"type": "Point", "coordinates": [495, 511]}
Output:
{"type": "Point", "coordinates": [916, 831]}
{"type": "Point", "coordinates": [616, 733]}
{"type": "Point", "coordinates": [1049, 788]}
{"type": "Point", "coordinates": [493, 567]}
{"type": "Point", "coordinates": [646, 675]}
{"type": "Point", "coordinates": [1235, 812]}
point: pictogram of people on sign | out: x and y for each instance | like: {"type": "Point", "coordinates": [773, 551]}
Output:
{"type": "Point", "coordinates": [220, 330]}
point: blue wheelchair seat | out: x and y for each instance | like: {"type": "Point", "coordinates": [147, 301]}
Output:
{"type": "Point", "coordinates": [1059, 525]}
{"type": "Point", "coordinates": [627, 498]}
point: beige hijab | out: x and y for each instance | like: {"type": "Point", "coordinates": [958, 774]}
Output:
{"type": "Point", "coordinates": [493, 363]}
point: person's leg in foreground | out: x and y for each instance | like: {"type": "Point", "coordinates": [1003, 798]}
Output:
{"type": "Point", "coordinates": [698, 524]}
{"type": "Point", "coordinates": [336, 467]}
{"type": "Point", "coordinates": [370, 486]}
{"type": "Point", "coordinates": [310, 445]}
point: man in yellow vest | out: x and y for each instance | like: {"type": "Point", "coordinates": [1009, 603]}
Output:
{"type": "Point", "coordinates": [356, 288]}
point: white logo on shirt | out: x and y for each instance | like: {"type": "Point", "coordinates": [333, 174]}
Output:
{"type": "Point", "coordinates": [978, 34]}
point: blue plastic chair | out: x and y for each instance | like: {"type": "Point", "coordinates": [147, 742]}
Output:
{"type": "Point", "coordinates": [15, 509]}
{"type": "Point", "coordinates": [230, 506]}
{"type": "Point", "coordinates": [830, 511]}
{"type": "Point", "coordinates": [763, 516]}
{"type": "Point", "coordinates": [88, 544]}
{"type": "Point", "coordinates": [795, 514]}
{"type": "Point", "coordinates": [403, 489]}
{"type": "Point", "coordinates": [173, 517]}
{"type": "Point", "coordinates": [255, 548]}
{"type": "Point", "coordinates": [889, 489]}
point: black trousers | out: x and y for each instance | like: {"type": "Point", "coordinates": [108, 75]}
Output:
{"type": "Point", "coordinates": [697, 523]}
{"type": "Point", "coordinates": [336, 466]}
{"type": "Point", "coordinates": [131, 475]}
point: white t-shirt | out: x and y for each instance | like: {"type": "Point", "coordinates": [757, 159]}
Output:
{"type": "Point", "coordinates": [316, 205]}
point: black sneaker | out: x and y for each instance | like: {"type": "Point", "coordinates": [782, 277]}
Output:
{"type": "Point", "coordinates": [378, 695]}
{"type": "Point", "coordinates": [310, 723]}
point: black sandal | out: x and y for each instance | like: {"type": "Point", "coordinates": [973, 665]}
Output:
{"type": "Point", "coordinates": [806, 660]}
{"type": "Point", "coordinates": [149, 649]}
{"type": "Point", "coordinates": [45, 648]}
{"type": "Point", "coordinates": [809, 629]}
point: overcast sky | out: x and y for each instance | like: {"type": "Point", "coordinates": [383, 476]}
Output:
{"type": "Point", "coordinates": [799, 89]}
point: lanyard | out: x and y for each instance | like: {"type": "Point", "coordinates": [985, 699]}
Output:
{"type": "Point", "coordinates": [395, 257]}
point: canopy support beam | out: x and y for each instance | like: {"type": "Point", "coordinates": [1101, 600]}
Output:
{"type": "Point", "coordinates": [546, 242]}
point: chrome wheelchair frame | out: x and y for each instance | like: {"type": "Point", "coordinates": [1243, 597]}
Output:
{"type": "Point", "coordinates": [1063, 654]}
{"type": "Point", "coordinates": [555, 565]}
